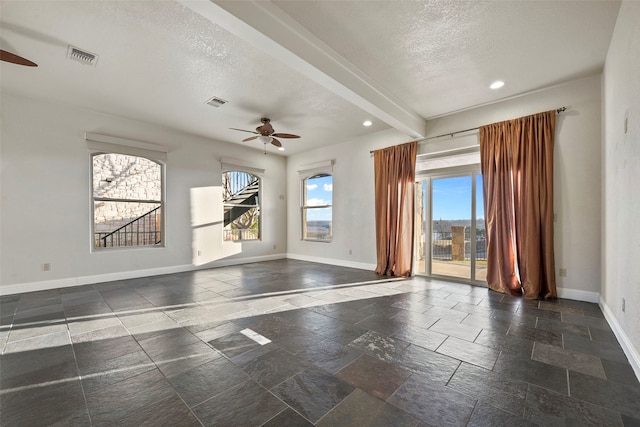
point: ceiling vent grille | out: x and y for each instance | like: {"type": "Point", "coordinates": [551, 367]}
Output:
{"type": "Point", "coordinates": [216, 102]}
{"type": "Point", "coordinates": [82, 56]}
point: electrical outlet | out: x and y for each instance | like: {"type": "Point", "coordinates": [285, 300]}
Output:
{"type": "Point", "coordinates": [274, 247]}
{"type": "Point", "coordinates": [623, 305]}
{"type": "Point", "coordinates": [563, 272]}
{"type": "Point", "coordinates": [199, 253]}
{"type": "Point", "coordinates": [46, 267]}
{"type": "Point", "coordinates": [349, 251]}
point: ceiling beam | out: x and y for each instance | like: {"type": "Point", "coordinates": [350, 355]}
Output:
{"type": "Point", "coordinates": [271, 30]}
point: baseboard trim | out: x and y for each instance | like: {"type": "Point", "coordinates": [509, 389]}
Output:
{"type": "Point", "coordinates": [333, 261]}
{"type": "Point", "coordinates": [579, 295]}
{"type": "Point", "coordinates": [20, 288]}
{"type": "Point", "coordinates": [625, 342]}
{"type": "Point", "coordinates": [46, 285]}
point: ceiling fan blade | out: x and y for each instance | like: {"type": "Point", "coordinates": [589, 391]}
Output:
{"type": "Point", "coordinates": [15, 59]}
{"type": "Point", "coordinates": [285, 135]}
{"type": "Point", "coordinates": [276, 142]}
{"type": "Point", "coordinates": [242, 130]}
{"type": "Point", "coordinates": [251, 138]}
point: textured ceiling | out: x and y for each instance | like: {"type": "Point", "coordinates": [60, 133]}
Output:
{"type": "Point", "coordinates": [316, 68]}
{"type": "Point", "coordinates": [440, 56]}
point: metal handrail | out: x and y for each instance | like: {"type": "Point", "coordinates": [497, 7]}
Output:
{"type": "Point", "coordinates": [119, 230]}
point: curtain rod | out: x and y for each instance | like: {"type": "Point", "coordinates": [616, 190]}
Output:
{"type": "Point", "coordinates": [558, 111]}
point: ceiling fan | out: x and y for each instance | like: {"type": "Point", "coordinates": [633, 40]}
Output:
{"type": "Point", "coordinates": [15, 59]}
{"type": "Point", "coordinates": [266, 135]}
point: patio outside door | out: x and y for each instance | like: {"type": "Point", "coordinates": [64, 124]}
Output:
{"type": "Point", "coordinates": [451, 229]}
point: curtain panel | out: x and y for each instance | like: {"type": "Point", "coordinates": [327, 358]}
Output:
{"type": "Point", "coordinates": [517, 166]}
{"type": "Point", "coordinates": [395, 170]}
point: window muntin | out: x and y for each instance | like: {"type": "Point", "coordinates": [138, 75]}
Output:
{"type": "Point", "coordinates": [241, 201]}
{"type": "Point", "coordinates": [127, 201]}
{"type": "Point", "coordinates": [317, 208]}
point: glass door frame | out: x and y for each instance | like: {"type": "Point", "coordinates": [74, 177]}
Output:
{"type": "Point", "coordinates": [427, 220]}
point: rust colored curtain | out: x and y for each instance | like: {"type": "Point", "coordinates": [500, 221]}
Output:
{"type": "Point", "coordinates": [395, 171]}
{"type": "Point", "coordinates": [517, 167]}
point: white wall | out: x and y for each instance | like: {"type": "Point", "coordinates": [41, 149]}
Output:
{"type": "Point", "coordinates": [621, 174]}
{"type": "Point", "coordinates": [576, 193]}
{"type": "Point", "coordinates": [46, 199]}
{"type": "Point", "coordinates": [353, 203]}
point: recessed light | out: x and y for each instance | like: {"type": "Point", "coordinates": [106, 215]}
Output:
{"type": "Point", "coordinates": [497, 84]}
{"type": "Point", "coordinates": [280, 148]}
{"type": "Point", "coordinates": [367, 123]}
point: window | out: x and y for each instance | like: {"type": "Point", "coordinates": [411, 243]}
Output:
{"type": "Point", "coordinates": [127, 201]}
{"type": "Point", "coordinates": [317, 214]}
{"type": "Point", "coordinates": [241, 200]}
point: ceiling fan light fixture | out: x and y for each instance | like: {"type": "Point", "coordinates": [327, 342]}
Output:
{"type": "Point", "coordinates": [267, 135]}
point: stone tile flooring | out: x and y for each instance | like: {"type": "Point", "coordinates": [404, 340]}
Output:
{"type": "Point", "coordinates": [343, 347]}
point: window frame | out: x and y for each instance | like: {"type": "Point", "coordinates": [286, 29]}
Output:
{"type": "Point", "coordinates": [304, 207]}
{"type": "Point", "coordinates": [95, 199]}
{"type": "Point", "coordinates": [259, 174]}
{"type": "Point", "coordinates": [105, 144]}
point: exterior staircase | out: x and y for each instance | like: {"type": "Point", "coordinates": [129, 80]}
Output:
{"type": "Point", "coordinates": [142, 231]}
{"type": "Point", "coordinates": [241, 201]}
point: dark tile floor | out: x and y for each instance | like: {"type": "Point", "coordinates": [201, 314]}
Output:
{"type": "Point", "coordinates": [292, 343]}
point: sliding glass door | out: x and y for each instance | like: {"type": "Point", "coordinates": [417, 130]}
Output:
{"type": "Point", "coordinates": [450, 228]}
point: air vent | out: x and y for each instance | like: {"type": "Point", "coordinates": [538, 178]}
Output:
{"type": "Point", "coordinates": [216, 102]}
{"type": "Point", "coordinates": [82, 56]}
